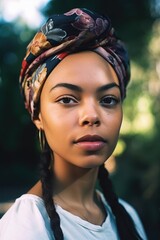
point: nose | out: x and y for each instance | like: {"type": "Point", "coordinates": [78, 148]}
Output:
{"type": "Point", "coordinates": [89, 116]}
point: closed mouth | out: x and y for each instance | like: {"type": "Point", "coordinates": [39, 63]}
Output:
{"type": "Point", "coordinates": [90, 138]}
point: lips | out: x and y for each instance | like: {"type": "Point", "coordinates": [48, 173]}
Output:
{"type": "Point", "coordinates": [90, 143]}
{"type": "Point", "coordinates": [90, 138]}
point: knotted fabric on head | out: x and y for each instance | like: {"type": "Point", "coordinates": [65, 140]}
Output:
{"type": "Point", "coordinates": [63, 34]}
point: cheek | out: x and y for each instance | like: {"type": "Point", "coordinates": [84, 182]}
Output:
{"type": "Point", "coordinates": [116, 122]}
{"type": "Point", "coordinates": [119, 119]}
{"type": "Point", "coordinates": [53, 129]}
{"type": "Point", "coordinates": [115, 125]}
{"type": "Point", "coordinates": [56, 127]}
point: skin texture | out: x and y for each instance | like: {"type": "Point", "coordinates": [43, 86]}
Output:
{"type": "Point", "coordinates": [90, 105]}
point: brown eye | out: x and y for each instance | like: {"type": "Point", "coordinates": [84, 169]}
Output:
{"type": "Point", "coordinates": [109, 101]}
{"type": "Point", "coordinates": [66, 100]}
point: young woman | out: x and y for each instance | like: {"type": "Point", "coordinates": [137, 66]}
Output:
{"type": "Point", "coordinates": [73, 79]}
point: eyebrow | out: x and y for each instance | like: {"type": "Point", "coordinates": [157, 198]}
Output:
{"type": "Point", "coordinates": [69, 86]}
{"type": "Point", "coordinates": [108, 86]}
{"type": "Point", "coordinates": [79, 89]}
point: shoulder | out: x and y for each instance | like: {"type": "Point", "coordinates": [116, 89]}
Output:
{"type": "Point", "coordinates": [134, 215]}
{"type": "Point", "coordinates": [132, 212]}
{"type": "Point", "coordinates": [26, 219]}
{"type": "Point", "coordinates": [24, 206]}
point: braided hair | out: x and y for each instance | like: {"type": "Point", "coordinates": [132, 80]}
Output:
{"type": "Point", "coordinates": [124, 222]}
{"type": "Point", "coordinates": [47, 180]}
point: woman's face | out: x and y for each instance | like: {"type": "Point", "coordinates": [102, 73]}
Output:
{"type": "Point", "coordinates": [81, 110]}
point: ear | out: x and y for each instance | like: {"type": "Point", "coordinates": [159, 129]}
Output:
{"type": "Point", "coordinates": [38, 122]}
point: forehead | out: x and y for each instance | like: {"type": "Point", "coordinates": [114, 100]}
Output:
{"type": "Point", "coordinates": [83, 66]}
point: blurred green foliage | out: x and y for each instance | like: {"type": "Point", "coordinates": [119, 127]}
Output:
{"type": "Point", "coordinates": [136, 177]}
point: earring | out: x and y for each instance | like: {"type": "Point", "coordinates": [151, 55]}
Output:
{"type": "Point", "coordinates": [42, 139]}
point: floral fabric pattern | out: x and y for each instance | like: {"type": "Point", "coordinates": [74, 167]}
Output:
{"type": "Point", "coordinates": [62, 34]}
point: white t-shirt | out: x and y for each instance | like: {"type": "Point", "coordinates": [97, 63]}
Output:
{"type": "Point", "coordinates": [27, 219]}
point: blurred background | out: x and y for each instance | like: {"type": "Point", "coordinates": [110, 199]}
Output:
{"type": "Point", "coordinates": [135, 164]}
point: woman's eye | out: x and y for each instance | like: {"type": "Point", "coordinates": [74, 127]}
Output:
{"type": "Point", "coordinates": [109, 101]}
{"type": "Point", "coordinates": [66, 100]}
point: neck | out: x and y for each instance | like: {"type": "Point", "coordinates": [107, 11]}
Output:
{"type": "Point", "coordinates": [76, 193]}
{"type": "Point", "coordinates": [74, 183]}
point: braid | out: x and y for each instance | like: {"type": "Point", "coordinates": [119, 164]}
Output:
{"type": "Point", "coordinates": [125, 224]}
{"type": "Point", "coordinates": [47, 191]}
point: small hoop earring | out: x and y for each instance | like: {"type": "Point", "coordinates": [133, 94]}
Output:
{"type": "Point", "coordinates": [42, 139]}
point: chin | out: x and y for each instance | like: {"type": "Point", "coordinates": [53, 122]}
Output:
{"type": "Point", "coordinates": [93, 163]}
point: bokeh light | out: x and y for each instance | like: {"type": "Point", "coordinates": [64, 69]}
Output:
{"type": "Point", "coordinates": [25, 11]}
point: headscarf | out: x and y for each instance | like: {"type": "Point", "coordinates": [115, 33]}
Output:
{"type": "Point", "coordinates": [77, 30]}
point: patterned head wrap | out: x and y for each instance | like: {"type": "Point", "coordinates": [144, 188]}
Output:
{"type": "Point", "coordinates": [63, 34]}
